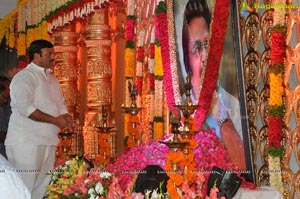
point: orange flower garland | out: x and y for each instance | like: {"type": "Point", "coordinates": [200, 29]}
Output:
{"type": "Point", "coordinates": [175, 178]}
{"type": "Point", "coordinates": [21, 44]}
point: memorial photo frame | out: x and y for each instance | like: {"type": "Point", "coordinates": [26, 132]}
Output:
{"type": "Point", "coordinates": [230, 71]}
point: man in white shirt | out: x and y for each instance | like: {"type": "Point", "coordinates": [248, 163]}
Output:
{"type": "Point", "coordinates": [38, 113]}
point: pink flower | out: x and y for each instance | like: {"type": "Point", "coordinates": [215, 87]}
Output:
{"type": "Point", "coordinates": [137, 196]}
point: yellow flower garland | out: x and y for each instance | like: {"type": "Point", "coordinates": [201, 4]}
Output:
{"type": "Point", "coordinates": [158, 68]}
{"type": "Point", "coordinates": [129, 62]}
{"type": "Point", "coordinates": [21, 44]}
{"type": "Point", "coordinates": [158, 130]}
{"type": "Point", "coordinates": [276, 89]}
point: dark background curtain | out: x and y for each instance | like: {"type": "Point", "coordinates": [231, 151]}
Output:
{"type": "Point", "coordinates": [8, 57]}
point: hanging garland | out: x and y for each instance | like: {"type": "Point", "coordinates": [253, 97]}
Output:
{"type": "Point", "coordinates": [7, 29]}
{"type": "Point", "coordinates": [216, 41]}
{"type": "Point", "coordinates": [276, 105]}
{"type": "Point", "coordinates": [218, 30]}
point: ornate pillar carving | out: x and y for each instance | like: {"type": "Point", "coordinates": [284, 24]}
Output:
{"type": "Point", "coordinates": [99, 87]}
{"type": "Point", "coordinates": [65, 69]}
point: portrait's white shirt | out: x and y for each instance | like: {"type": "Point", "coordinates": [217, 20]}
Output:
{"type": "Point", "coordinates": [11, 184]}
{"type": "Point", "coordinates": [34, 88]}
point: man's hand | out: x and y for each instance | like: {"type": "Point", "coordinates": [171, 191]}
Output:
{"type": "Point", "coordinates": [64, 121]}
{"type": "Point", "coordinates": [218, 109]}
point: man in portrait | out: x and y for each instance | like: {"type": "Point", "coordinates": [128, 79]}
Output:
{"type": "Point", "coordinates": [192, 33]}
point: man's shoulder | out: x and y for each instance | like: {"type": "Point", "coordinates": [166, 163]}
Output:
{"type": "Point", "coordinates": [24, 73]}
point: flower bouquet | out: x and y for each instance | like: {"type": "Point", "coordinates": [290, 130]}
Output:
{"type": "Point", "coordinates": [75, 179]}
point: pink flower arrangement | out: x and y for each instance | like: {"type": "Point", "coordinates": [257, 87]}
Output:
{"type": "Point", "coordinates": [130, 163]}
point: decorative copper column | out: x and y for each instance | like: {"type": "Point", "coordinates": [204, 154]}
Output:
{"type": "Point", "coordinates": [99, 88]}
{"type": "Point", "coordinates": [65, 69]}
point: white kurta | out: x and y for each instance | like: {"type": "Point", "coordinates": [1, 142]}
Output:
{"type": "Point", "coordinates": [30, 145]}
{"type": "Point", "coordinates": [33, 89]}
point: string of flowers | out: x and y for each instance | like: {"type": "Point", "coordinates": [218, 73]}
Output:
{"type": "Point", "coordinates": [216, 41]}
{"type": "Point", "coordinates": [8, 28]}
{"type": "Point", "coordinates": [161, 21]}
{"type": "Point", "coordinates": [158, 120]}
{"type": "Point", "coordinates": [175, 177]}
{"type": "Point", "coordinates": [140, 53]}
{"type": "Point", "coordinates": [276, 105]}
{"type": "Point", "coordinates": [172, 61]}
{"type": "Point", "coordinates": [129, 61]}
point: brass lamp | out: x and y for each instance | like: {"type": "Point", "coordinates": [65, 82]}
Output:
{"type": "Point", "coordinates": [65, 141]}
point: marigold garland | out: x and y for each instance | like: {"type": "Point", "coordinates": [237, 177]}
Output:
{"type": "Point", "coordinates": [158, 67]}
{"type": "Point", "coordinates": [158, 129]}
{"type": "Point", "coordinates": [276, 90]}
{"type": "Point", "coordinates": [276, 106]}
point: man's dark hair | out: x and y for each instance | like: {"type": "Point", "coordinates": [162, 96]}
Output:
{"type": "Point", "coordinates": [194, 8]}
{"type": "Point", "coordinates": [36, 46]}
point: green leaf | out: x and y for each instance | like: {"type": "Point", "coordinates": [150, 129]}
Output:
{"type": "Point", "coordinates": [277, 111]}
{"type": "Point", "coordinates": [131, 17]}
{"type": "Point", "coordinates": [158, 119]}
{"type": "Point", "coordinates": [276, 152]}
{"type": "Point", "coordinates": [161, 8]}
{"type": "Point", "coordinates": [279, 29]}
{"type": "Point", "coordinates": [157, 42]}
{"type": "Point", "coordinates": [277, 68]}
{"type": "Point", "coordinates": [158, 77]}
{"type": "Point", "coordinates": [130, 44]}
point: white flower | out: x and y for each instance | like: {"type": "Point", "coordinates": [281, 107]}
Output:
{"type": "Point", "coordinates": [147, 194]}
{"type": "Point", "coordinates": [154, 194]}
{"type": "Point", "coordinates": [99, 188]}
{"type": "Point", "coordinates": [105, 174]}
{"type": "Point", "coordinates": [92, 192]}
{"type": "Point", "coordinates": [86, 181]}
{"type": "Point", "coordinates": [68, 162]}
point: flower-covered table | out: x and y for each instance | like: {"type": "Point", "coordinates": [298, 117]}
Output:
{"type": "Point", "coordinates": [116, 180]}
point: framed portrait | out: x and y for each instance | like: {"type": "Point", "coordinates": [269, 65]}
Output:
{"type": "Point", "coordinates": [193, 30]}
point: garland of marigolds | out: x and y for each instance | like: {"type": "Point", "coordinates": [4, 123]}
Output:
{"type": "Point", "coordinates": [158, 121]}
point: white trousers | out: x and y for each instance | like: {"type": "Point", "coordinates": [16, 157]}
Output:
{"type": "Point", "coordinates": [32, 163]}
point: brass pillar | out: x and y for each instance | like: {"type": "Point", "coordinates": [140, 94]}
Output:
{"type": "Point", "coordinates": [65, 69]}
{"type": "Point", "coordinates": [99, 87]}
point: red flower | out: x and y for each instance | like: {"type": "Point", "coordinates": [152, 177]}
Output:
{"type": "Point", "coordinates": [162, 35]}
{"type": "Point", "coordinates": [140, 54]}
{"type": "Point", "coordinates": [129, 32]}
{"type": "Point", "coordinates": [275, 129]}
{"type": "Point", "coordinates": [278, 48]}
{"type": "Point", "coordinates": [152, 51]}
{"type": "Point", "coordinates": [139, 84]}
{"type": "Point", "coordinates": [152, 81]}
{"type": "Point", "coordinates": [218, 29]}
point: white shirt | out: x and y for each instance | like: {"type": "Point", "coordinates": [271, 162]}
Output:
{"type": "Point", "coordinates": [11, 183]}
{"type": "Point", "coordinates": [34, 88]}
